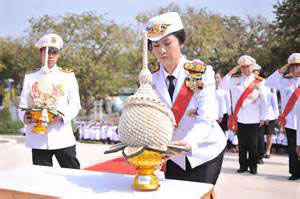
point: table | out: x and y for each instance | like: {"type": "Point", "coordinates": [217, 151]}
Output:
{"type": "Point", "coordinates": [39, 182]}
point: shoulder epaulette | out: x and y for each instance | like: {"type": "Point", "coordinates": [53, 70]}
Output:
{"type": "Point", "coordinates": [66, 70]}
{"type": "Point", "coordinates": [153, 67]}
{"type": "Point", "coordinates": [259, 78]}
{"type": "Point", "coordinates": [195, 67]}
{"type": "Point", "coordinates": [34, 70]}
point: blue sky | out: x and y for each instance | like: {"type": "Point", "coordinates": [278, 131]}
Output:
{"type": "Point", "coordinates": [14, 14]}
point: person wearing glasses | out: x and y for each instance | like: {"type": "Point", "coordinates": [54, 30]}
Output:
{"type": "Point", "coordinates": [59, 141]}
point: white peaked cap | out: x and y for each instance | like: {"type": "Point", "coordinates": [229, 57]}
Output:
{"type": "Point", "coordinates": [162, 25]}
{"type": "Point", "coordinates": [255, 66]}
{"type": "Point", "coordinates": [50, 40]}
{"type": "Point", "coordinates": [294, 58]}
{"type": "Point", "coordinates": [246, 60]}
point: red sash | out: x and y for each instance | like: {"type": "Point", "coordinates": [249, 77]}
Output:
{"type": "Point", "coordinates": [232, 119]}
{"type": "Point", "coordinates": [182, 101]}
{"type": "Point", "coordinates": [288, 108]}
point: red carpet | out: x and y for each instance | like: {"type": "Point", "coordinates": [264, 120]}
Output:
{"type": "Point", "coordinates": [118, 165]}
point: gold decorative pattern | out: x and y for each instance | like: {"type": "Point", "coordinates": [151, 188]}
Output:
{"type": "Point", "coordinates": [195, 67]}
{"type": "Point", "coordinates": [192, 113]}
{"type": "Point", "coordinates": [157, 30]}
{"type": "Point", "coordinates": [66, 70]}
{"type": "Point", "coordinates": [153, 67]}
{"type": "Point", "coordinates": [194, 75]}
{"type": "Point", "coordinates": [259, 78]}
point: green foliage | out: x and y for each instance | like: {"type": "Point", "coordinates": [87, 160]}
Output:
{"type": "Point", "coordinates": [16, 57]}
{"type": "Point", "coordinates": [10, 127]}
{"type": "Point", "coordinates": [7, 126]}
{"type": "Point", "coordinates": [5, 115]}
{"type": "Point", "coordinates": [102, 54]}
{"type": "Point", "coordinates": [288, 22]}
{"type": "Point", "coordinates": [107, 57]}
{"type": "Point", "coordinates": [219, 40]}
{"type": "Point", "coordinates": [286, 30]}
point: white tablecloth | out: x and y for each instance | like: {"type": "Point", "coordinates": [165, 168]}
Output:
{"type": "Point", "coordinates": [71, 183]}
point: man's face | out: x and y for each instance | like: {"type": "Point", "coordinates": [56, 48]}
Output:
{"type": "Point", "coordinates": [246, 70]}
{"type": "Point", "coordinates": [295, 69]}
{"type": "Point", "coordinates": [218, 78]}
{"type": "Point", "coordinates": [53, 55]}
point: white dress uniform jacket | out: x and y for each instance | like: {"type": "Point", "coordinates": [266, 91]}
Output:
{"type": "Point", "coordinates": [224, 104]}
{"type": "Point", "coordinates": [286, 87]}
{"type": "Point", "coordinates": [254, 106]}
{"type": "Point", "coordinates": [202, 131]}
{"type": "Point", "coordinates": [60, 134]}
{"type": "Point", "coordinates": [272, 105]}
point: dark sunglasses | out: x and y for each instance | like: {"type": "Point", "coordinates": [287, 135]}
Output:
{"type": "Point", "coordinates": [51, 50]}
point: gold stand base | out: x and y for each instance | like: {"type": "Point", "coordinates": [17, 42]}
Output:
{"type": "Point", "coordinates": [39, 130]}
{"type": "Point", "coordinates": [146, 180]}
{"type": "Point", "coordinates": [40, 127]}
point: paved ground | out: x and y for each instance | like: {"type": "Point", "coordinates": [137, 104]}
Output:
{"type": "Point", "coordinates": [270, 182]}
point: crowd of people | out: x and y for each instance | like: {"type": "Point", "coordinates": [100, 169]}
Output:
{"type": "Point", "coordinates": [244, 104]}
{"type": "Point", "coordinates": [252, 103]}
{"type": "Point", "coordinates": [103, 132]}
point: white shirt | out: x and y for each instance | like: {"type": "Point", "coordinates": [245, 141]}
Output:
{"type": "Point", "coordinates": [224, 104]}
{"type": "Point", "coordinates": [202, 132]}
{"type": "Point", "coordinates": [253, 109]}
{"type": "Point", "coordinates": [286, 87]}
{"type": "Point", "coordinates": [272, 105]}
{"type": "Point", "coordinates": [60, 134]}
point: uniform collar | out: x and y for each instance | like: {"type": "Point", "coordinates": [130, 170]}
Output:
{"type": "Point", "coordinates": [49, 70]}
{"type": "Point", "coordinates": [176, 72]}
{"type": "Point", "coordinates": [248, 77]}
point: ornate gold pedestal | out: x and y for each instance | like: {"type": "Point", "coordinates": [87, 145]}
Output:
{"type": "Point", "coordinates": [40, 127]}
{"type": "Point", "coordinates": [146, 180]}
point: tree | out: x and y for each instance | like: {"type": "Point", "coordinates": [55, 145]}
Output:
{"type": "Point", "coordinates": [16, 58]}
{"type": "Point", "coordinates": [286, 29]}
{"type": "Point", "coordinates": [102, 54]}
{"type": "Point", "coordinates": [215, 39]}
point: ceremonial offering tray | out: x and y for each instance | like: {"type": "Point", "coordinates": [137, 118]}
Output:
{"type": "Point", "coordinates": [40, 127]}
{"type": "Point", "coordinates": [43, 104]}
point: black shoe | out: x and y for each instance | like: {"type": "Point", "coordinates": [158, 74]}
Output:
{"type": "Point", "coordinates": [240, 170]}
{"type": "Point", "coordinates": [267, 156]}
{"type": "Point", "coordinates": [253, 171]}
{"type": "Point", "coordinates": [293, 177]}
{"type": "Point", "coordinates": [260, 161]}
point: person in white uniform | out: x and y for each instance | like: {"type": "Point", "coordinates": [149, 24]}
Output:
{"type": "Point", "coordinates": [298, 129]}
{"type": "Point", "coordinates": [287, 84]}
{"type": "Point", "coordinates": [197, 130]}
{"type": "Point", "coordinates": [248, 110]}
{"type": "Point", "coordinates": [224, 103]}
{"type": "Point", "coordinates": [268, 128]}
{"type": "Point", "coordinates": [60, 140]}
